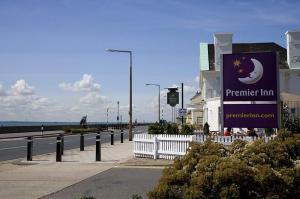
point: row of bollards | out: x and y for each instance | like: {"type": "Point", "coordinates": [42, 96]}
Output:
{"type": "Point", "coordinates": [60, 145]}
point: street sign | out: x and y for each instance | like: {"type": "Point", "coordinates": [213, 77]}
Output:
{"type": "Point", "coordinates": [182, 112]}
{"type": "Point", "coordinates": [173, 97]}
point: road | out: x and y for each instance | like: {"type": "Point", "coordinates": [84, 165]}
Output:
{"type": "Point", "coordinates": [14, 149]}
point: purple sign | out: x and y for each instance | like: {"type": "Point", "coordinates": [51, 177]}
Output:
{"type": "Point", "coordinates": [250, 115]}
{"type": "Point", "coordinates": [250, 77]}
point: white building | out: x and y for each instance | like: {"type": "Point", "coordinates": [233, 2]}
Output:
{"type": "Point", "coordinates": [210, 56]}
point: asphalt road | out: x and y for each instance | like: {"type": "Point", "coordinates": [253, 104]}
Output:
{"type": "Point", "coordinates": [113, 183]}
{"type": "Point", "coordinates": [14, 149]}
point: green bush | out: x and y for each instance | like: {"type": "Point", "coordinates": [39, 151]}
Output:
{"type": "Point", "coordinates": [171, 129]}
{"type": "Point", "coordinates": [253, 170]}
{"type": "Point", "coordinates": [187, 129]}
{"type": "Point", "coordinates": [67, 130]}
{"type": "Point", "coordinates": [81, 130]}
{"type": "Point", "coordinates": [155, 129]}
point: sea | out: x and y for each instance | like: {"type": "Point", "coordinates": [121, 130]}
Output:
{"type": "Point", "coordinates": [27, 123]}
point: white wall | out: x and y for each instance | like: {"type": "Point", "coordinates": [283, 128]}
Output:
{"type": "Point", "coordinates": [293, 48]}
{"type": "Point", "coordinates": [211, 84]}
{"type": "Point", "coordinates": [290, 81]}
{"type": "Point", "coordinates": [223, 45]}
{"type": "Point", "coordinates": [211, 108]}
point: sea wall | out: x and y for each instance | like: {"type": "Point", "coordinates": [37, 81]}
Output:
{"type": "Point", "coordinates": [19, 129]}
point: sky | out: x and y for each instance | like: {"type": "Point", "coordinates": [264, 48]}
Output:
{"type": "Point", "coordinates": [54, 65]}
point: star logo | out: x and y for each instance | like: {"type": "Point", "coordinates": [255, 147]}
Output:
{"type": "Point", "coordinates": [237, 63]}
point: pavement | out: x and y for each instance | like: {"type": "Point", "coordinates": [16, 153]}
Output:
{"type": "Point", "coordinates": [44, 177]}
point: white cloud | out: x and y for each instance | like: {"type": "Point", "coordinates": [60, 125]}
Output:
{"type": "Point", "coordinates": [74, 108]}
{"type": "Point", "coordinates": [92, 98]}
{"type": "Point", "coordinates": [2, 91]}
{"type": "Point", "coordinates": [85, 84]}
{"type": "Point", "coordinates": [22, 88]}
{"type": "Point", "coordinates": [21, 98]}
{"type": "Point", "coordinates": [189, 89]}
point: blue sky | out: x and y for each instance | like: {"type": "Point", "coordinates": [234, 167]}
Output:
{"type": "Point", "coordinates": [54, 66]}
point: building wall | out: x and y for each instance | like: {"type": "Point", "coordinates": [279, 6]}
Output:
{"type": "Point", "coordinates": [293, 49]}
{"type": "Point", "coordinates": [211, 84]}
{"type": "Point", "coordinates": [289, 81]}
{"type": "Point", "coordinates": [204, 63]}
{"type": "Point", "coordinates": [212, 113]}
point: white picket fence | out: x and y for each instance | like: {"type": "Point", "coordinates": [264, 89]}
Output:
{"type": "Point", "coordinates": [161, 146]}
{"type": "Point", "coordinates": [171, 146]}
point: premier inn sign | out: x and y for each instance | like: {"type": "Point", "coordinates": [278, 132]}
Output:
{"type": "Point", "coordinates": [249, 92]}
{"type": "Point", "coordinates": [250, 77]}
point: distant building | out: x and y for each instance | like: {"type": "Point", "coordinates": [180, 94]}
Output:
{"type": "Point", "coordinates": [195, 111]}
{"type": "Point", "coordinates": [205, 105]}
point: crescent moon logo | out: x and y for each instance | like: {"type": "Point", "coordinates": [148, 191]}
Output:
{"type": "Point", "coordinates": [255, 75]}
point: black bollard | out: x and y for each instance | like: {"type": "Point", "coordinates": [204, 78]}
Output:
{"type": "Point", "coordinates": [98, 147]}
{"type": "Point", "coordinates": [29, 148]}
{"type": "Point", "coordinates": [62, 143]}
{"type": "Point", "coordinates": [111, 138]}
{"type": "Point", "coordinates": [58, 149]}
{"type": "Point", "coordinates": [81, 142]}
{"type": "Point", "coordinates": [122, 134]}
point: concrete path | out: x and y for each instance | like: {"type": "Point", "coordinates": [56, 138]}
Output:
{"type": "Point", "coordinates": [20, 179]}
{"type": "Point", "coordinates": [114, 183]}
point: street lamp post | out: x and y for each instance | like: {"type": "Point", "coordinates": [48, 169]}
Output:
{"type": "Point", "coordinates": [158, 99]}
{"type": "Point", "coordinates": [107, 119]}
{"type": "Point", "coordinates": [118, 115]}
{"type": "Point", "coordinates": [130, 86]}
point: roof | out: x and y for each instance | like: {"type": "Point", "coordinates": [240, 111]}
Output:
{"type": "Point", "coordinates": [250, 48]}
{"type": "Point", "coordinates": [196, 95]}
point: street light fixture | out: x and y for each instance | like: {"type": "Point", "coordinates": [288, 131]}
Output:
{"type": "Point", "coordinates": [158, 99]}
{"type": "Point", "coordinates": [130, 86]}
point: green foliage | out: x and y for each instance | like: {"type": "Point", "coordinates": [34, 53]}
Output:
{"type": "Point", "coordinates": [206, 128]}
{"type": "Point", "coordinates": [67, 130]}
{"type": "Point", "coordinates": [187, 129]}
{"type": "Point", "coordinates": [171, 129]}
{"type": "Point", "coordinates": [254, 170]}
{"type": "Point", "coordinates": [79, 131]}
{"type": "Point", "coordinates": [269, 131]}
{"type": "Point", "coordinates": [155, 129]}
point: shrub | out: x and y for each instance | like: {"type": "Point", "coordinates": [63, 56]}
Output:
{"type": "Point", "coordinates": [155, 129]}
{"type": "Point", "coordinates": [254, 170]}
{"type": "Point", "coordinates": [171, 129]}
{"type": "Point", "coordinates": [67, 129]}
{"type": "Point", "coordinates": [187, 129]}
{"type": "Point", "coordinates": [81, 130]}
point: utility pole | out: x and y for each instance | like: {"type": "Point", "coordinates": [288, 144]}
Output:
{"type": "Point", "coordinates": [118, 117]}
{"type": "Point", "coordinates": [182, 102]}
{"type": "Point", "coordinates": [107, 118]}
